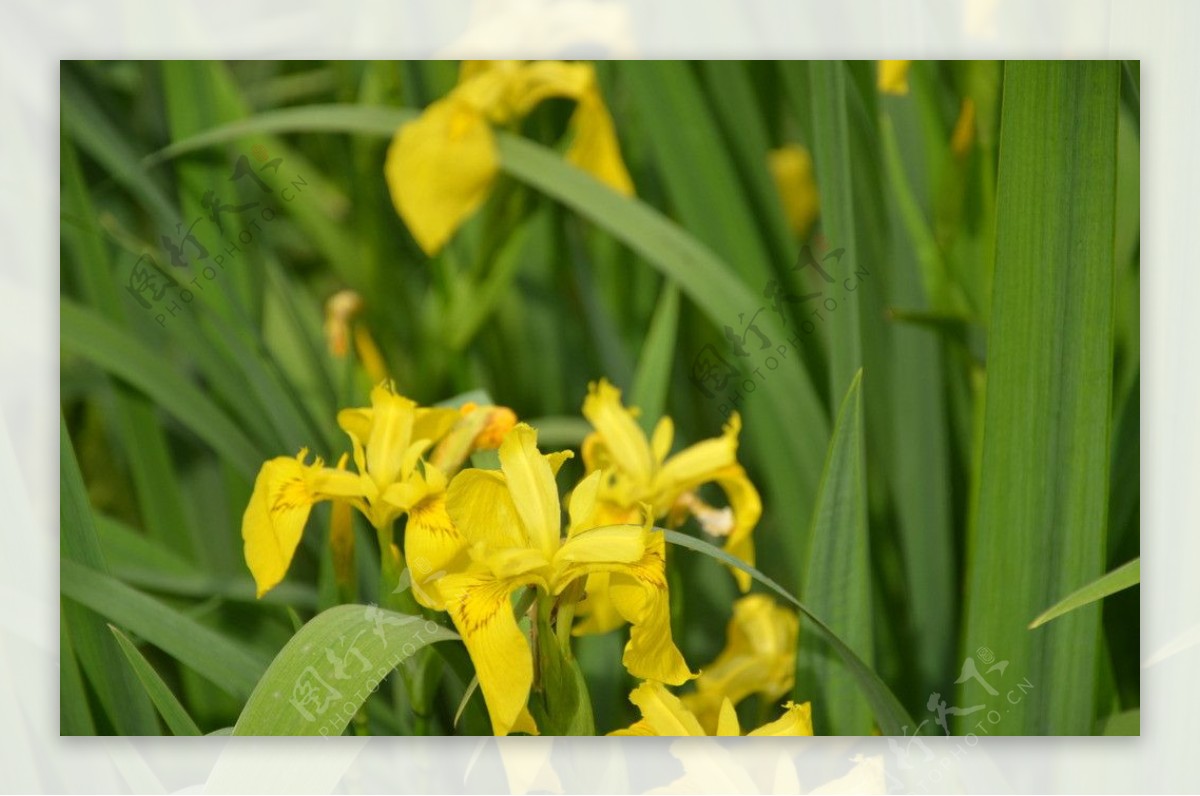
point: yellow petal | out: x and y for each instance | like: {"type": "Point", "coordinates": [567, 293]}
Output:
{"type": "Point", "coordinates": [482, 509]}
{"type": "Point", "coordinates": [640, 596]}
{"type": "Point", "coordinates": [596, 612]}
{"type": "Point", "coordinates": [369, 354]}
{"type": "Point", "coordinates": [595, 148]}
{"type": "Point", "coordinates": [727, 724]}
{"type": "Point", "coordinates": [893, 77]}
{"type": "Point", "coordinates": [433, 423]}
{"type": "Point", "coordinates": [582, 507]}
{"type": "Point", "coordinates": [660, 441]}
{"type": "Point", "coordinates": [433, 547]}
{"type": "Point", "coordinates": [609, 549]}
{"type": "Point", "coordinates": [791, 168]}
{"type": "Point", "coordinates": [663, 712]}
{"type": "Point", "coordinates": [623, 437]}
{"type": "Point", "coordinates": [535, 82]}
{"type": "Point", "coordinates": [534, 492]}
{"type": "Point", "coordinates": [440, 168]}
{"type": "Point", "coordinates": [392, 419]}
{"type": "Point", "coordinates": [479, 605]}
{"type": "Point", "coordinates": [759, 658]}
{"type": "Point", "coordinates": [747, 509]}
{"type": "Point", "coordinates": [640, 727]}
{"type": "Point", "coordinates": [697, 464]}
{"type": "Point", "coordinates": [275, 518]}
{"type": "Point", "coordinates": [797, 720]}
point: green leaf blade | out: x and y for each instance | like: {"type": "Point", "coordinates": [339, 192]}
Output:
{"type": "Point", "coordinates": [1041, 521]}
{"type": "Point", "coordinates": [324, 674]}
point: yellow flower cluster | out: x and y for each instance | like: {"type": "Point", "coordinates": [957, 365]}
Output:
{"type": "Point", "coordinates": [474, 538]}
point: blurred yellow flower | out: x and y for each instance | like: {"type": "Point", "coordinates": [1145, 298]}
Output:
{"type": "Point", "coordinates": [638, 471]}
{"type": "Point", "coordinates": [440, 168]}
{"type": "Point", "coordinates": [792, 169]}
{"type": "Point", "coordinates": [664, 714]}
{"type": "Point", "coordinates": [893, 77]}
{"type": "Point", "coordinates": [512, 524]}
{"type": "Point", "coordinates": [340, 311]}
{"type": "Point", "coordinates": [759, 658]}
{"type": "Point", "coordinates": [389, 439]}
{"type": "Point", "coordinates": [964, 129]}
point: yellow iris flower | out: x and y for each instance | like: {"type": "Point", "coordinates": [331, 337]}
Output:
{"type": "Point", "coordinates": [511, 521]}
{"type": "Point", "coordinates": [638, 471]}
{"type": "Point", "coordinates": [791, 168]}
{"type": "Point", "coordinates": [441, 167]}
{"type": "Point", "coordinates": [664, 714]}
{"type": "Point", "coordinates": [389, 438]}
{"type": "Point", "coordinates": [759, 658]}
{"type": "Point", "coordinates": [893, 77]}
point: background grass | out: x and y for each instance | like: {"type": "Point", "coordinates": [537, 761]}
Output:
{"type": "Point", "coordinates": [995, 323]}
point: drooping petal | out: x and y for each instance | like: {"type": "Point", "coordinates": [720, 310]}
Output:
{"type": "Point", "coordinates": [275, 517]}
{"type": "Point", "coordinates": [482, 509]}
{"type": "Point", "coordinates": [639, 594]}
{"type": "Point", "coordinates": [746, 505]}
{"type": "Point", "coordinates": [433, 548]}
{"type": "Point", "coordinates": [796, 721]}
{"type": "Point", "coordinates": [440, 168]}
{"type": "Point", "coordinates": [595, 148]}
{"type": "Point", "coordinates": [662, 711]}
{"type": "Point", "coordinates": [479, 605]}
{"type": "Point", "coordinates": [623, 437]}
{"type": "Point", "coordinates": [531, 482]}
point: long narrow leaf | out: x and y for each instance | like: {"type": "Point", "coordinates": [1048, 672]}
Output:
{"type": "Point", "coordinates": [837, 582]}
{"type": "Point", "coordinates": [203, 649]}
{"type": "Point", "coordinates": [168, 706]}
{"type": "Point", "coordinates": [1045, 459]}
{"type": "Point", "coordinates": [87, 334]}
{"type": "Point", "coordinates": [1123, 577]}
{"type": "Point", "coordinates": [889, 713]}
